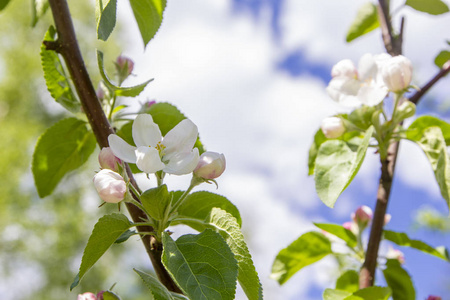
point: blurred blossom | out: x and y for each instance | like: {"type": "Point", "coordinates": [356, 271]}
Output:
{"type": "Point", "coordinates": [173, 154]}
{"type": "Point", "coordinates": [124, 65]}
{"type": "Point", "coordinates": [351, 226]}
{"type": "Point", "coordinates": [87, 296]}
{"type": "Point", "coordinates": [395, 254]}
{"type": "Point", "coordinates": [110, 186]}
{"type": "Point", "coordinates": [387, 219]}
{"type": "Point", "coordinates": [210, 165]}
{"type": "Point", "coordinates": [432, 297]}
{"type": "Point", "coordinates": [397, 73]}
{"type": "Point", "coordinates": [353, 87]}
{"type": "Point", "coordinates": [146, 106]}
{"type": "Point", "coordinates": [108, 160]}
{"type": "Point", "coordinates": [362, 216]}
{"type": "Point", "coordinates": [332, 127]}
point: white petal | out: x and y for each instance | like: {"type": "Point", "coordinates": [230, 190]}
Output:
{"type": "Point", "coordinates": [343, 90]}
{"type": "Point", "coordinates": [145, 131]}
{"type": "Point", "coordinates": [148, 160]}
{"type": "Point", "coordinates": [182, 163]}
{"type": "Point", "coordinates": [121, 149]}
{"type": "Point", "coordinates": [372, 95]}
{"type": "Point", "coordinates": [367, 67]}
{"type": "Point", "coordinates": [180, 139]}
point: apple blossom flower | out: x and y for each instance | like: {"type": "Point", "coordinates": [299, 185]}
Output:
{"type": "Point", "coordinates": [353, 87]}
{"type": "Point", "coordinates": [210, 165]}
{"type": "Point", "coordinates": [332, 127]}
{"type": "Point", "coordinates": [395, 254]}
{"type": "Point", "coordinates": [110, 186]}
{"type": "Point", "coordinates": [86, 296]}
{"type": "Point", "coordinates": [397, 73]}
{"type": "Point", "coordinates": [173, 154]}
{"type": "Point", "coordinates": [362, 216]}
{"type": "Point", "coordinates": [108, 160]}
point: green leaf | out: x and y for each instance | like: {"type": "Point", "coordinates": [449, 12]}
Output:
{"type": "Point", "coordinates": [433, 144]}
{"type": "Point", "coordinates": [366, 20]}
{"type": "Point", "coordinates": [148, 15]}
{"type": "Point", "coordinates": [340, 232]}
{"type": "Point", "coordinates": [306, 250]}
{"type": "Point", "coordinates": [125, 236]}
{"type": "Point", "coordinates": [202, 265]}
{"type": "Point", "coordinates": [433, 7]}
{"type": "Point", "coordinates": [371, 293]}
{"type": "Point", "coordinates": [3, 4]}
{"type": "Point", "coordinates": [107, 230]}
{"type": "Point", "coordinates": [337, 163]}
{"type": "Point", "coordinates": [57, 81]}
{"type": "Point", "coordinates": [197, 208]}
{"type": "Point", "coordinates": [38, 9]}
{"type": "Point", "coordinates": [228, 227]}
{"type": "Point", "coordinates": [64, 147]}
{"type": "Point", "coordinates": [399, 281]}
{"type": "Point", "coordinates": [119, 91]}
{"type": "Point", "coordinates": [108, 295]}
{"type": "Point", "coordinates": [105, 14]}
{"type": "Point", "coordinates": [319, 139]}
{"type": "Point", "coordinates": [156, 201]}
{"type": "Point", "coordinates": [158, 290]}
{"type": "Point", "coordinates": [442, 58]}
{"type": "Point", "coordinates": [330, 294]}
{"type": "Point", "coordinates": [417, 128]}
{"type": "Point", "coordinates": [348, 281]}
{"type": "Point", "coordinates": [402, 239]}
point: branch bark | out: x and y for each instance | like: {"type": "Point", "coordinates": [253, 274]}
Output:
{"type": "Point", "coordinates": [67, 46]}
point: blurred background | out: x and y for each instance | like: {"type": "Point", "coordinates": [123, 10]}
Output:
{"type": "Point", "coordinates": [252, 75]}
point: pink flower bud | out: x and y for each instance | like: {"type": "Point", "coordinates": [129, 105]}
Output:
{"type": "Point", "coordinates": [100, 295]}
{"type": "Point", "coordinates": [396, 254]}
{"type": "Point", "coordinates": [110, 186]}
{"type": "Point", "coordinates": [351, 226]}
{"type": "Point", "coordinates": [387, 219]}
{"type": "Point", "coordinates": [210, 165]}
{"type": "Point", "coordinates": [87, 296]}
{"type": "Point", "coordinates": [397, 73]}
{"type": "Point", "coordinates": [100, 93]}
{"type": "Point", "coordinates": [432, 297]}
{"type": "Point", "coordinates": [108, 160]}
{"type": "Point", "coordinates": [332, 127]}
{"type": "Point", "coordinates": [362, 216]}
{"type": "Point", "coordinates": [124, 66]}
{"type": "Point", "coordinates": [344, 68]}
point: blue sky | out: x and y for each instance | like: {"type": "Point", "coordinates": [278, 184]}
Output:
{"type": "Point", "coordinates": [252, 75]}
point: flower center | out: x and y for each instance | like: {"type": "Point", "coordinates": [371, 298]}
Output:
{"type": "Point", "coordinates": [160, 147]}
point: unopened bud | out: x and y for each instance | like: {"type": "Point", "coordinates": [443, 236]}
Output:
{"type": "Point", "coordinates": [387, 219]}
{"type": "Point", "coordinates": [362, 216]}
{"type": "Point", "coordinates": [432, 297]}
{"type": "Point", "coordinates": [351, 226]}
{"type": "Point", "coordinates": [110, 186]}
{"type": "Point", "coordinates": [332, 127]}
{"type": "Point", "coordinates": [108, 160]}
{"type": "Point", "coordinates": [124, 67]}
{"type": "Point", "coordinates": [210, 165]}
{"type": "Point", "coordinates": [397, 73]}
{"type": "Point", "coordinates": [396, 254]}
{"type": "Point", "coordinates": [86, 296]}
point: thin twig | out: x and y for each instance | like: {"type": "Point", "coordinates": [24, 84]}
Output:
{"type": "Point", "coordinates": [442, 72]}
{"type": "Point", "coordinates": [70, 51]}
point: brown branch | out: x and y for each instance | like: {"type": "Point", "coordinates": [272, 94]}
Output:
{"type": "Point", "coordinates": [393, 46]}
{"type": "Point", "coordinates": [70, 51]}
{"type": "Point", "coordinates": [442, 72]}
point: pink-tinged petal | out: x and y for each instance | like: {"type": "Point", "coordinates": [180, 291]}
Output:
{"type": "Point", "coordinates": [182, 163]}
{"type": "Point", "coordinates": [148, 160]}
{"type": "Point", "coordinates": [180, 139]}
{"type": "Point", "coordinates": [145, 131]}
{"type": "Point", "coordinates": [210, 165]}
{"type": "Point", "coordinates": [372, 95]}
{"type": "Point", "coordinates": [110, 186]}
{"type": "Point", "coordinates": [121, 149]}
